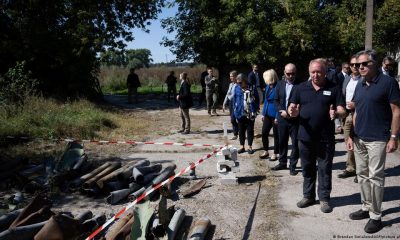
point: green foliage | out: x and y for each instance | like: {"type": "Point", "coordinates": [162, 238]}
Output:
{"type": "Point", "coordinates": [275, 32]}
{"type": "Point", "coordinates": [138, 58]}
{"type": "Point", "coordinates": [60, 40]}
{"type": "Point", "coordinates": [17, 84]}
{"type": "Point", "coordinates": [387, 27]}
{"type": "Point", "coordinates": [132, 58]}
{"type": "Point", "coordinates": [38, 117]}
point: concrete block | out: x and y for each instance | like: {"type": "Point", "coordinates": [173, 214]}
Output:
{"type": "Point", "coordinates": [228, 179]}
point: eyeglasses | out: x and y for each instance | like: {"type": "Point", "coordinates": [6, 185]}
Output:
{"type": "Point", "coordinates": [290, 74]}
{"type": "Point", "coordinates": [364, 64]}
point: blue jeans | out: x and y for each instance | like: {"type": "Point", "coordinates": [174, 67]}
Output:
{"type": "Point", "coordinates": [312, 153]}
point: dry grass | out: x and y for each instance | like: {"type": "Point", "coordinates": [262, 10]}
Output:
{"type": "Point", "coordinates": [114, 78]}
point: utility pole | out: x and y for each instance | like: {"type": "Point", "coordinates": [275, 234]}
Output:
{"type": "Point", "coordinates": [368, 24]}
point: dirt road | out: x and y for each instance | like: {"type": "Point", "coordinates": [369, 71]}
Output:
{"type": "Point", "coordinates": [243, 211]}
{"type": "Point", "coordinates": [263, 205]}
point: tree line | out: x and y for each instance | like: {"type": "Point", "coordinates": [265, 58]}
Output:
{"type": "Point", "coordinates": [272, 33]}
{"type": "Point", "coordinates": [58, 42]}
{"type": "Point", "coordinates": [61, 44]}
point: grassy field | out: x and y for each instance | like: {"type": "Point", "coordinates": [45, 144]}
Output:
{"type": "Point", "coordinates": [113, 79]}
{"type": "Point", "coordinates": [46, 118]}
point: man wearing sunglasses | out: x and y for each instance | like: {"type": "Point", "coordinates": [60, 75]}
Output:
{"type": "Point", "coordinates": [348, 88]}
{"type": "Point", "coordinates": [376, 127]}
{"type": "Point", "coordinates": [387, 66]}
{"type": "Point", "coordinates": [287, 126]}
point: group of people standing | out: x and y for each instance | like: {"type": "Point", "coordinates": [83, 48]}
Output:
{"type": "Point", "coordinates": [367, 99]}
{"type": "Point", "coordinates": [274, 94]}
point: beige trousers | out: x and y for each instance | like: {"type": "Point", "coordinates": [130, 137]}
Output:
{"type": "Point", "coordinates": [347, 128]}
{"type": "Point", "coordinates": [370, 161]}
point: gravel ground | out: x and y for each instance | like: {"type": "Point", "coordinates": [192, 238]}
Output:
{"type": "Point", "coordinates": [244, 211]}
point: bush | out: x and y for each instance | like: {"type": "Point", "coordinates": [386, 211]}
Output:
{"type": "Point", "coordinates": [17, 84]}
{"type": "Point", "coordinates": [39, 117]}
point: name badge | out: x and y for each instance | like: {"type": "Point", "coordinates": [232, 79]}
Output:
{"type": "Point", "coordinates": [327, 93]}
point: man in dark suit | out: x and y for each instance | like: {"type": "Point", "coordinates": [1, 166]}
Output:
{"type": "Point", "coordinates": [331, 74]}
{"type": "Point", "coordinates": [185, 102]}
{"type": "Point", "coordinates": [287, 126]}
{"type": "Point", "coordinates": [203, 86]}
{"type": "Point", "coordinates": [256, 80]}
{"type": "Point", "coordinates": [133, 84]}
{"type": "Point", "coordinates": [344, 73]}
{"type": "Point", "coordinates": [387, 66]}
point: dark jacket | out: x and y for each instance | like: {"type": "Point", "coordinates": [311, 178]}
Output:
{"type": "Point", "coordinates": [252, 79]}
{"type": "Point", "coordinates": [332, 76]}
{"type": "Point", "coordinates": [391, 73]}
{"type": "Point", "coordinates": [133, 81]}
{"type": "Point", "coordinates": [185, 96]}
{"type": "Point", "coordinates": [171, 81]}
{"type": "Point", "coordinates": [202, 79]}
{"type": "Point", "coordinates": [280, 96]}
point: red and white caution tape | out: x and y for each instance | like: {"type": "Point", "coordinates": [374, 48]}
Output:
{"type": "Point", "coordinates": [170, 179]}
{"type": "Point", "coordinates": [130, 142]}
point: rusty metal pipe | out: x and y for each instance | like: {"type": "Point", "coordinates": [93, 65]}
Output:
{"type": "Point", "coordinates": [110, 176]}
{"type": "Point", "coordinates": [22, 233]}
{"type": "Point", "coordinates": [175, 223]}
{"type": "Point", "coordinates": [127, 173]}
{"type": "Point", "coordinates": [147, 178]}
{"type": "Point", "coordinates": [115, 185]}
{"type": "Point", "coordinates": [87, 214]}
{"type": "Point", "coordinates": [113, 232]}
{"type": "Point", "coordinates": [165, 173]}
{"type": "Point", "coordinates": [95, 222]}
{"type": "Point", "coordinates": [113, 166]}
{"type": "Point", "coordinates": [125, 230]}
{"type": "Point", "coordinates": [93, 173]}
{"type": "Point", "coordinates": [7, 219]}
{"type": "Point", "coordinates": [118, 195]}
{"type": "Point", "coordinates": [137, 194]}
{"type": "Point", "coordinates": [199, 229]}
{"type": "Point", "coordinates": [139, 172]}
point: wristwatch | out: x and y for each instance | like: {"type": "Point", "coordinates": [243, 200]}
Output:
{"type": "Point", "coordinates": [393, 136]}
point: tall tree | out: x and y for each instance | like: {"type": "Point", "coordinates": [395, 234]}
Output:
{"type": "Point", "coordinates": [274, 32]}
{"type": "Point", "coordinates": [59, 39]}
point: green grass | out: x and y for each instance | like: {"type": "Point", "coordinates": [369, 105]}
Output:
{"type": "Point", "coordinates": [39, 117]}
{"type": "Point", "coordinates": [150, 89]}
{"type": "Point", "coordinates": [113, 79]}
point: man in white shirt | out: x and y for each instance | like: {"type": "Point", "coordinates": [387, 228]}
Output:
{"type": "Point", "coordinates": [349, 85]}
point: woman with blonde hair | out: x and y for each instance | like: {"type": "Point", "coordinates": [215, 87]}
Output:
{"type": "Point", "coordinates": [269, 114]}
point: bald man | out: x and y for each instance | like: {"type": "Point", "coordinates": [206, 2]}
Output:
{"type": "Point", "coordinates": [316, 103]}
{"type": "Point", "coordinates": [287, 126]}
